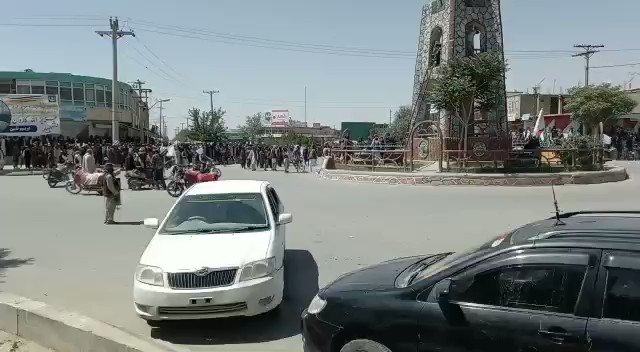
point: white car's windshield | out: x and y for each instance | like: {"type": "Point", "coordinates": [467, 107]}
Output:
{"type": "Point", "coordinates": [208, 213]}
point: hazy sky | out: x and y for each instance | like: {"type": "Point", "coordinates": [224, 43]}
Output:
{"type": "Point", "coordinates": [245, 49]}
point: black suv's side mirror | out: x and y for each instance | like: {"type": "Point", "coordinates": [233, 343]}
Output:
{"type": "Point", "coordinates": [444, 290]}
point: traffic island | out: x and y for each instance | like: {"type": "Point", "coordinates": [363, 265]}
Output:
{"type": "Point", "coordinates": [66, 331]}
{"type": "Point", "coordinates": [610, 174]}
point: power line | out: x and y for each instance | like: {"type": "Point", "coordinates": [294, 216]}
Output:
{"type": "Point", "coordinates": [620, 65]}
{"type": "Point", "coordinates": [338, 53]}
{"type": "Point", "coordinates": [47, 25]}
{"type": "Point", "coordinates": [157, 57]}
{"type": "Point", "coordinates": [271, 41]}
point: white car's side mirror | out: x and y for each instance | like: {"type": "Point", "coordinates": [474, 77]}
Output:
{"type": "Point", "coordinates": [285, 219]}
{"type": "Point", "coordinates": [151, 223]}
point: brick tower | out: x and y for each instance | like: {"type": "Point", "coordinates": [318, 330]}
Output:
{"type": "Point", "coordinates": [453, 29]}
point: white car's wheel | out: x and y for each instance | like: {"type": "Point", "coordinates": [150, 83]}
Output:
{"type": "Point", "coordinates": [364, 346]}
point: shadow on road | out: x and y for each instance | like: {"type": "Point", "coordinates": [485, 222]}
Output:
{"type": "Point", "coordinates": [301, 285]}
{"type": "Point", "coordinates": [10, 263]}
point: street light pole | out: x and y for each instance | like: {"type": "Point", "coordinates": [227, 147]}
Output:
{"type": "Point", "coordinates": [115, 33]}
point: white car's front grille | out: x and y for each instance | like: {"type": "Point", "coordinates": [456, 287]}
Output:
{"type": "Point", "coordinates": [195, 280]}
{"type": "Point", "coordinates": [195, 310]}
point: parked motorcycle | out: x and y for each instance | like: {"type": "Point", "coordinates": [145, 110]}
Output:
{"type": "Point", "coordinates": [139, 179]}
{"type": "Point", "coordinates": [182, 178]}
{"type": "Point", "coordinates": [60, 174]}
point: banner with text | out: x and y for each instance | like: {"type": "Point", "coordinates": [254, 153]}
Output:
{"type": "Point", "coordinates": [29, 115]}
{"type": "Point", "coordinates": [280, 118]}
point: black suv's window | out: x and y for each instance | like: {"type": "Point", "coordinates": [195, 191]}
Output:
{"type": "Point", "coordinates": [548, 288]}
{"type": "Point", "coordinates": [623, 295]}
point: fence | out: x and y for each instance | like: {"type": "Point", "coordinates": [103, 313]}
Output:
{"type": "Point", "coordinates": [533, 160]}
{"type": "Point", "coordinates": [376, 159]}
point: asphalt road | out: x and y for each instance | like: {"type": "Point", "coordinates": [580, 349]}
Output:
{"type": "Point", "coordinates": [54, 247]}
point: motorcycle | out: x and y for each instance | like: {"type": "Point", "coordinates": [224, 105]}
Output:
{"type": "Point", "coordinates": [184, 178]}
{"type": "Point", "coordinates": [139, 179]}
{"type": "Point", "coordinates": [59, 174]}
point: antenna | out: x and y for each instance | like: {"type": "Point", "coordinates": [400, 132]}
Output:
{"type": "Point", "coordinates": [555, 204]}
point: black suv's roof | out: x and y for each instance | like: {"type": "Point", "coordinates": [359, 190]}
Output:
{"type": "Point", "coordinates": [600, 225]}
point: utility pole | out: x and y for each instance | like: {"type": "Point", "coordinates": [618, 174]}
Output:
{"type": "Point", "coordinates": [162, 122]}
{"type": "Point", "coordinates": [305, 105]}
{"type": "Point", "coordinates": [536, 92]}
{"type": "Point", "coordinates": [587, 54]}
{"type": "Point", "coordinates": [137, 84]}
{"type": "Point", "coordinates": [390, 113]}
{"type": "Point", "coordinates": [115, 33]}
{"type": "Point", "coordinates": [181, 126]}
{"type": "Point", "coordinates": [211, 93]}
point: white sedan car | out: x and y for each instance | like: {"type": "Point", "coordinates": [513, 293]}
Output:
{"type": "Point", "coordinates": [219, 252]}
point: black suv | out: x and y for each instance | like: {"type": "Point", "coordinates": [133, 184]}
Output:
{"type": "Point", "coordinates": [570, 283]}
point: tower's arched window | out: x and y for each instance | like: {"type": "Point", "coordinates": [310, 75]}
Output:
{"type": "Point", "coordinates": [475, 39]}
{"type": "Point", "coordinates": [435, 47]}
{"type": "Point", "coordinates": [475, 3]}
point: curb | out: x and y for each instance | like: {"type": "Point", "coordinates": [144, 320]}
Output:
{"type": "Point", "coordinates": [614, 174]}
{"type": "Point", "coordinates": [65, 331]}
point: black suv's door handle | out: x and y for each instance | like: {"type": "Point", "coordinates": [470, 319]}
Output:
{"type": "Point", "coordinates": [558, 336]}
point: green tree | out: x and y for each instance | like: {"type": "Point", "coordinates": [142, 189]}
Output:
{"type": "Point", "coordinates": [594, 104]}
{"type": "Point", "coordinates": [253, 128]}
{"type": "Point", "coordinates": [207, 127]}
{"type": "Point", "coordinates": [469, 85]}
{"type": "Point", "coordinates": [399, 127]}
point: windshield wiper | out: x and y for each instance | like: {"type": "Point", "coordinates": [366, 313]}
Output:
{"type": "Point", "coordinates": [192, 231]}
{"type": "Point", "coordinates": [252, 227]}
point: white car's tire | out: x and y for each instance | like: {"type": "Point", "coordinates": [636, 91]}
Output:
{"type": "Point", "coordinates": [364, 346]}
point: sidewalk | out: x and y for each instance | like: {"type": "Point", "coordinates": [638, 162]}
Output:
{"type": "Point", "coordinates": [9, 170]}
{"type": "Point", "coordinates": [428, 177]}
{"type": "Point", "coordinates": [12, 343]}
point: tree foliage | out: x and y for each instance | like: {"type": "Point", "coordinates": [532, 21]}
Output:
{"type": "Point", "coordinates": [400, 125]}
{"type": "Point", "coordinates": [469, 85]}
{"type": "Point", "coordinates": [207, 127]}
{"type": "Point", "coordinates": [594, 104]}
{"type": "Point", "coordinates": [253, 127]}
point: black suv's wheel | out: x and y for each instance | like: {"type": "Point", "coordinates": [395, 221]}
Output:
{"type": "Point", "coordinates": [364, 346]}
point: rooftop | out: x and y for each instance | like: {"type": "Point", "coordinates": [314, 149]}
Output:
{"type": "Point", "coordinates": [227, 186]}
{"type": "Point", "coordinates": [54, 76]}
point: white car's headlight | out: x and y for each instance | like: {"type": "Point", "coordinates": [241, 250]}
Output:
{"type": "Point", "coordinates": [317, 305]}
{"type": "Point", "coordinates": [258, 269]}
{"type": "Point", "coordinates": [150, 275]}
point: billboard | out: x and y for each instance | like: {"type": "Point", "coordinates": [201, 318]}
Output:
{"type": "Point", "coordinates": [280, 118]}
{"type": "Point", "coordinates": [29, 115]}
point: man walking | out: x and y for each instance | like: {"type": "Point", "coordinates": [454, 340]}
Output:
{"type": "Point", "coordinates": [111, 192]}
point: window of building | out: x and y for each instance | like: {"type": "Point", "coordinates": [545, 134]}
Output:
{"type": "Point", "coordinates": [23, 87]}
{"type": "Point", "coordinates": [65, 93]}
{"type": "Point", "coordinates": [52, 87]}
{"type": "Point", "coordinates": [435, 47]}
{"type": "Point", "coordinates": [546, 288]}
{"type": "Point", "coordinates": [623, 295]}
{"type": "Point", "coordinates": [78, 92]}
{"type": "Point", "coordinates": [107, 97]}
{"type": "Point", "coordinates": [37, 87]}
{"type": "Point", "coordinates": [100, 94]}
{"type": "Point", "coordinates": [5, 87]}
{"type": "Point", "coordinates": [476, 39]}
{"type": "Point", "coordinates": [89, 93]}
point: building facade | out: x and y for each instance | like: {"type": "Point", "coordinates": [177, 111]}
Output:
{"type": "Point", "coordinates": [525, 105]}
{"type": "Point", "coordinates": [85, 103]}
